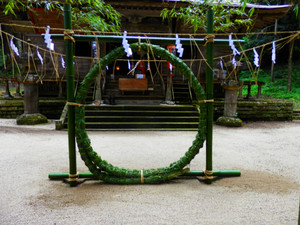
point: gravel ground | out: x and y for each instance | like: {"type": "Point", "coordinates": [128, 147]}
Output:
{"type": "Point", "coordinates": [267, 153]}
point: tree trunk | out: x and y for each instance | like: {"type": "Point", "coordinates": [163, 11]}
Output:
{"type": "Point", "coordinates": [290, 67]}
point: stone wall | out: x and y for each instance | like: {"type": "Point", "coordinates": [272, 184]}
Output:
{"type": "Point", "coordinates": [50, 108]}
{"type": "Point", "coordinates": [258, 109]}
{"type": "Point", "coordinates": [248, 110]}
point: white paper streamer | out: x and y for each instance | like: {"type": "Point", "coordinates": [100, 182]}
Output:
{"type": "Point", "coordinates": [13, 47]}
{"type": "Point", "coordinates": [231, 44]}
{"type": "Point", "coordinates": [234, 50]}
{"type": "Point", "coordinates": [126, 46]}
{"type": "Point", "coordinates": [273, 52]}
{"type": "Point", "coordinates": [129, 67]}
{"type": "Point", "coordinates": [221, 64]}
{"type": "Point", "coordinates": [233, 61]}
{"type": "Point", "coordinates": [62, 62]}
{"type": "Point", "coordinates": [179, 46]}
{"type": "Point", "coordinates": [48, 39]}
{"type": "Point", "coordinates": [107, 68]}
{"type": "Point", "coordinates": [94, 46]}
{"type": "Point", "coordinates": [39, 56]}
{"type": "Point", "coordinates": [170, 67]}
{"type": "Point", "coordinates": [256, 58]}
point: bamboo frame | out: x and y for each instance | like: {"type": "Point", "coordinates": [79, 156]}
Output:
{"type": "Point", "coordinates": [73, 176]}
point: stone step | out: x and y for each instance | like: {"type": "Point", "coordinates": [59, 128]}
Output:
{"type": "Point", "coordinates": [296, 114]}
{"type": "Point", "coordinates": [141, 117]}
{"type": "Point", "coordinates": [140, 125]}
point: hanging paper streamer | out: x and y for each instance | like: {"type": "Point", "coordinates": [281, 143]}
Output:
{"type": "Point", "coordinates": [48, 39]}
{"type": "Point", "coordinates": [234, 50]}
{"type": "Point", "coordinates": [126, 46]}
{"type": "Point", "coordinates": [233, 61]}
{"type": "Point", "coordinates": [13, 47]}
{"type": "Point", "coordinates": [221, 64]}
{"type": "Point", "coordinates": [129, 67]}
{"type": "Point", "coordinates": [256, 58]}
{"type": "Point", "coordinates": [62, 62]}
{"type": "Point", "coordinates": [273, 52]}
{"type": "Point", "coordinates": [179, 46]}
{"type": "Point", "coordinates": [170, 67]}
{"type": "Point", "coordinates": [231, 44]}
{"type": "Point", "coordinates": [39, 56]}
{"type": "Point", "coordinates": [107, 68]}
{"type": "Point", "coordinates": [94, 46]}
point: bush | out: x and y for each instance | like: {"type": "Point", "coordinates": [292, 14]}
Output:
{"type": "Point", "coordinates": [277, 89]}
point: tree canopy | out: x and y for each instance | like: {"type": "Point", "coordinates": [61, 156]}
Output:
{"type": "Point", "coordinates": [225, 17]}
{"type": "Point", "coordinates": [87, 14]}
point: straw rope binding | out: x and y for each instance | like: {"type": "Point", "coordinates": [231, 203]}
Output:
{"type": "Point", "coordinates": [210, 38]}
{"type": "Point", "coordinates": [208, 174]}
{"type": "Point", "coordinates": [205, 101]}
{"type": "Point", "coordinates": [73, 177]}
{"type": "Point", "coordinates": [75, 104]}
{"type": "Point", "coordinates": [142, 177]}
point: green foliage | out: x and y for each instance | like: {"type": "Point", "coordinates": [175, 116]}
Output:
{"type": "Point", "coordinates": [289, 23]}
{"type": "Point", "coordinates": [277, 89]}
{"type": "Point", "coordinates": [225, 17]}
{"type": "Point", "coordinates": [87, 14]}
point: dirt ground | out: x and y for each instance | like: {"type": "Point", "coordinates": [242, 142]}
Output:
{"type": "Point", "coordinates": [267, 153]}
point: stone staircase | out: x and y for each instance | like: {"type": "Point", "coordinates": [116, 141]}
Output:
{"type": "Point", "coordinates": [296, 114]}
{"type": "Point", "coordinates": [182, 92]}
{"type": "Point", "coordinates": [140, 117]}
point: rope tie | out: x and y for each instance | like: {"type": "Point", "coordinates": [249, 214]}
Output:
{"type": "Point", "coordinates": [68, 34]}
{"type": "Point", "coordinates": [210, 38]}
{"type": "Point", "coordinates": [73, 177]}
{"type": "Point", "coordinates": [75, 104]}
{"type": "Point", "coordinates": [206, 101]}
{"type": "Point", "coordinates": [142, 177]}
{"type": "Point", "coordinates": [208, 174]}
{"type": "Point", "coordinates": [139, 38]}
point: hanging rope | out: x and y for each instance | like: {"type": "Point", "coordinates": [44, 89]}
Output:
{"type": "Point", "coordinates": [80, 31]}
{"type": "Point", "coordinates": [232, 74]}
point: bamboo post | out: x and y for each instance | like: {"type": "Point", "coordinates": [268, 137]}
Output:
{"type": "Point", "coordinates": [69, 47]}
{"type": "Point", "coordinates": [209, 95]}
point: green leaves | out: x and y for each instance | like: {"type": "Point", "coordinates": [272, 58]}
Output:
{"type": "Point", "coordinates": [11, 5]}
{"type": "Point", "coordinates": [87, 14]}
{"type": "Point", "coordinates": [194, 15]}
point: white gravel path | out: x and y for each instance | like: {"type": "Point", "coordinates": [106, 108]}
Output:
{"type": "Point", "coordinates": [267, 153]}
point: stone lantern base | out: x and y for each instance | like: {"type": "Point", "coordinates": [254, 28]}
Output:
{"type": "Point", "coordinates": [229, 121]}
{"type": "Point", "coordinates": [31, 115]}
{"type": "Point", "coordinates": [229, 117]}
{"type": "Point", "coordinates": [31, 119]}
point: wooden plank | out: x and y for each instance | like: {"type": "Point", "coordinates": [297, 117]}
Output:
{"type": "Point", "coordinates": [131, 84]}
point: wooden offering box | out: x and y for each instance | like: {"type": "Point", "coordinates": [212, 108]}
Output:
{"type": "Point", "coordinates": [133, 84]}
